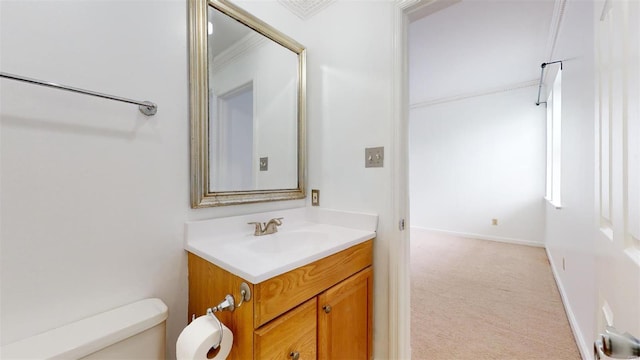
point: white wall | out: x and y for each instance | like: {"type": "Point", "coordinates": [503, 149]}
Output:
{"type": "Point", "coordinates": [472, 46]}
{"type": "Point", "coordinates": [570, 231]}
{"type": "Point", "coordinates": [478, 159]}
{"type": "Point", "coordinates": [94, 194]}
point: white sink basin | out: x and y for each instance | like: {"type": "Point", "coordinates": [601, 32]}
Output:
{"type": "Point", "coordinates": [287, 241]}
{"type": "Point", "coordinates": [306, 235]}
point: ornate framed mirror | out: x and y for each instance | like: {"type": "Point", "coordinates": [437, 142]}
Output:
{"type": "Point", "coordinates": [247, 108]}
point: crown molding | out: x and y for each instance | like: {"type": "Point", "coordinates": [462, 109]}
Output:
{"type": "Point", "coordinates": [418, 9]}
{"type": "Point", "coordinates": [305, 9]}
{"type": "Point", "coordinates": [411, 5]}
{"type": "Point", "coordinates": [246, 44]}
{"type": "Point", "coordinates": [446, 99]}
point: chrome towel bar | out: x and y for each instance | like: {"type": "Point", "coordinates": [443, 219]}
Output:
{"type": "Point", "coordinates": [146, 107]}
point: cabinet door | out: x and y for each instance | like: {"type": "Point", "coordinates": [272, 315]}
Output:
{"type": "Point", "coordinates": [290, 336]}
{"type": "Point", "coordinates": [345, 319]}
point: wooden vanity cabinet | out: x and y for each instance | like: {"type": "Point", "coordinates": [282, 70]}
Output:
{"type": "Point", "coordinates": [344, 319]}
{"type": "Point", "coordinates": [322, 310]}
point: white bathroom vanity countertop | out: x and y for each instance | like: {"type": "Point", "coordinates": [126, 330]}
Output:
{"type": "Point", "coordinates": [306, 235]}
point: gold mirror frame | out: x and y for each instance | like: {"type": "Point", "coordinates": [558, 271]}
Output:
{"type": "Point", "coordinates": [201, 194]}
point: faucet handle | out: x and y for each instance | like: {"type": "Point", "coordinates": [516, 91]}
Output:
{"type": "Point", "coordinates": [258, 229]}
{"type": "Point", "coordinates": [278, 221]}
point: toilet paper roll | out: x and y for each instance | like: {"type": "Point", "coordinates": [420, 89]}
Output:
{"type": "Point", "coordinates": [198, 338]}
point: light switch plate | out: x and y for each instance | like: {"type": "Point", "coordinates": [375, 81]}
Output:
{"type": "Point", "coordinates": [264, 163]}
{"type": "Point", "coordinates": [315, 197]}
{"type": "Point", "coordinates": [374, 157]}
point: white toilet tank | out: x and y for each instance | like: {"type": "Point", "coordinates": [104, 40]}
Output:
{"type": "Point", "coordinates": [134, 331]}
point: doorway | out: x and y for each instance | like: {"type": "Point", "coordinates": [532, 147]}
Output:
{"type": "Point", "coordinates": [477, 164]}
{"type": "Point", "coordinates": [587, 248]}
{"type": "Point", "coordinates": [234, 160]}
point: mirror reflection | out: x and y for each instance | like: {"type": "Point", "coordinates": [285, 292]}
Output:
{"type": "Point", "coordinates": [253, 108]}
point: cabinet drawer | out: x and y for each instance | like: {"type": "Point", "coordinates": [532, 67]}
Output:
{"type": "Point", "coordinates": [293, 332]}
{"type": "Point", "coordinates": [283, 292]}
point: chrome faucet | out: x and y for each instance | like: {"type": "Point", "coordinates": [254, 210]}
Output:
{"type": "Point", "coordinates": [267, 228]}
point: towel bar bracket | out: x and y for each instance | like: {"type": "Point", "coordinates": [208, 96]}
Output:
{"type": "Point", "coordinates": [148, 108]}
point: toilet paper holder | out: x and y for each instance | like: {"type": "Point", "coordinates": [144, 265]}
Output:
{"type": "Point", "coordinates": [229, 302]}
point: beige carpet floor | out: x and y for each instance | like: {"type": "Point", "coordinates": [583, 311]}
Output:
{"type": "Point", "coordinates": [477, 299]}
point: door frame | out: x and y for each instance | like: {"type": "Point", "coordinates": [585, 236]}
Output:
{"type": "Point", "coordinates": [399, 254]}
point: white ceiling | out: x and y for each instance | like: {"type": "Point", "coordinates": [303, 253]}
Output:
{"type": "Point", "coordinates": [477, 45]}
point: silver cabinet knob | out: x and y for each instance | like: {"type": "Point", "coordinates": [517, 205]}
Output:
{"type": "Point", "coordinates": [327, 308]}
{"type": "Point", "coordinates": [294, 355]}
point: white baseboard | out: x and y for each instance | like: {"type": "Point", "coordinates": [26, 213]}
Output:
{"type": "Point", "coordinates": [482, 237]}
{"type": "Point", "coordinates": [583, 347]}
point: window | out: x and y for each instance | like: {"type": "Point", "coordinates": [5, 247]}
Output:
{"type": "Point", "coordinates": [554, 139]}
